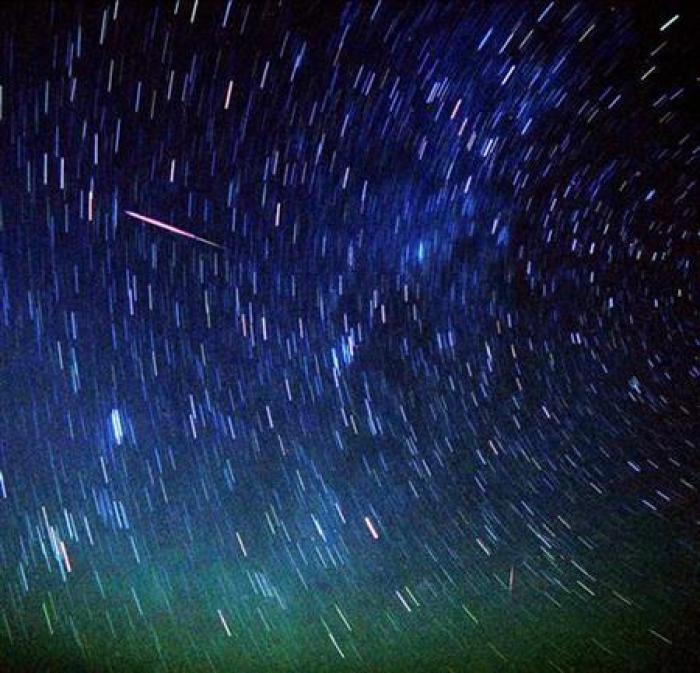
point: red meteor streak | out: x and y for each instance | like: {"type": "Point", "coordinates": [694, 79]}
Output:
{"type": "Point", "coordinates": [169, 227]}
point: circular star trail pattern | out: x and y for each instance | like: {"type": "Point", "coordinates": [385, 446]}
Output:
{"type": "Point", "coordinates": [428, 403]}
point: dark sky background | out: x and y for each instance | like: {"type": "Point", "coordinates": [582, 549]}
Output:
{"type": "Point", "coordinates": [429, 401]}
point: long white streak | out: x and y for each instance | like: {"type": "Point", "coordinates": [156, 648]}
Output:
{"type": "Point", "coordinates": [171, 228]}
{"type": "Point", "coordinates": [670, 22]}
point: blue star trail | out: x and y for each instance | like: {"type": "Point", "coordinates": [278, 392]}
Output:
{"type": "Point", "coordinates": [350, 336]}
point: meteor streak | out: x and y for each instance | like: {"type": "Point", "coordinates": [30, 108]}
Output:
{"type": "Point", "coordinates": [171, 228]}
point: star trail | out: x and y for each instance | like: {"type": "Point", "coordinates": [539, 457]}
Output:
{"type": "Point", "coordinates": [354, 336]}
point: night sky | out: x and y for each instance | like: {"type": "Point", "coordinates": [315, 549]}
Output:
{"type": "Point", "coordinates": [349, 337]}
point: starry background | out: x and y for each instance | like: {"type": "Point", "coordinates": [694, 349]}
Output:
{"type": "Point", "coordinates": [432, 403]}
